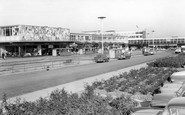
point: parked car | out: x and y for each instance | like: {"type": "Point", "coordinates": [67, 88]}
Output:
{"type": "Point", "coordinates": [149, 111]}
{"type": "Point", "coordinates": [178, 76]}
{"type": "Point", "coordinates": [124, 55]}
{"type": "Point", "coordinates": [101, 58]}
{"type": "Point", "coordinates": [148, 51]}
{"type": "Point", "coordinates": [178, 50]}
{"type": "Point", "coordinates": [175, 106]}
{"type": "Point", "coordinates": [163, 99]}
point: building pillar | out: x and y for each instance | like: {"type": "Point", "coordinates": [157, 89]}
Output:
{"type": "Point", "coordinates": [39, 48]}
{"type": "Point", "coordinates": [2, 50]}
{"type": "Point", "coordinates": [54, 52]}
{"type": "Point", "coordinates": [19, 50]}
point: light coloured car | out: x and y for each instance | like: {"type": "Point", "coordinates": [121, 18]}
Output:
{"type": "Point", "coordinates": [162, 99]}
{"type": "Point", "coordinates": [175, 106]}
{"type": "Point", "coordinates": [148, 51]}
{"type": "Point", "coordinates": [178, 50]}
{"type": "Point", "coordinates": [149, 111]}
{"type": "Point", "coordinates": [178, 76]}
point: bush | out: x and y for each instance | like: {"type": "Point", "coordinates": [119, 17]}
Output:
{"type": "Point", "coordinates": [174, 62]}
{"type": "Point", "coordinates": [62, 103]}
{"type": "Point", "coordinates": [137, 80]}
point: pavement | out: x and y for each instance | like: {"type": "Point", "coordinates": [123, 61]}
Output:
{"type": "Point", "coordinates": [73, 87]}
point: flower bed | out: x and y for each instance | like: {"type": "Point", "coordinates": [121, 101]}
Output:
{"type": "Point", "coordinates": [144, 80]}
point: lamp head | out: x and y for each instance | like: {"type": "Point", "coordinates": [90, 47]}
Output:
{"type": "Point", "coordinates": [101, 17]}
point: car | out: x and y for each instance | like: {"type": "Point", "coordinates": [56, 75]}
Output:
{"type": "Point", "coordinates": [179, 91]}
{"type": "Point", "coordinates": [162, 99]}
{"type": "Point", "coordinates": [124, 55]}
{"type": "Point", "coordinates": [175, 106]}
{"type": "Point", "coordinates": [148, 111]}
{"type": "Point", "coordinates": [178, 50]}
{"type": "Point", "coordinates": [101, 58]}
{"type": "Point", "coordinates": [148, 51]}
{"type": "Point", "coordinates": [151, 52]}
{"type": "Point", "coordinates": [178, 76]}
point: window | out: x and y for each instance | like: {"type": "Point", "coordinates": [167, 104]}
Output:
{"type": "Point", "coordinates": [6, 31]}
{"type": "Point", "coordinates": [177, 110]}
{"type": "Point", "coordinates": [1, 32]}
{"type": "Point", "coordinates": [87, 38]}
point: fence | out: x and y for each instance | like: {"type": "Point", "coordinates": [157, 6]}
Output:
{"type": "Point", "coordinates": [38, 65]}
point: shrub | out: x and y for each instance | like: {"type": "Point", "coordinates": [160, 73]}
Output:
{"type": "Point", "coordinates": [175, 62]}
{"type": "Point", "coordinates": [137, 80]}
{"type": "Point", "coordinates": [60, 102]}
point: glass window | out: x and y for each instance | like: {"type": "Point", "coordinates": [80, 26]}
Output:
{"type": "Point", "coordinates": [7, 31]}
{"type": "Point", "coordinates": [1, 32]}
{"type": "Point", "coordinates": [177, 110]}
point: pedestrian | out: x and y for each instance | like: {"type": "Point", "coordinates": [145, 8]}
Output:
{"type": "Point", "coordinates": [3, 56]}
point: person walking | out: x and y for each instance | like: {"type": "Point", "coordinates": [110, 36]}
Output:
{"type": "Point", "coordinates": [3, 55]}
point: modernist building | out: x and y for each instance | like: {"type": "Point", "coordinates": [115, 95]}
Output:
{"type": "Point", "coordinates": [36, 40]}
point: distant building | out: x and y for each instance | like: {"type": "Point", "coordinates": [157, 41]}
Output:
{"type": "Point", "coordinates": [165, 42]}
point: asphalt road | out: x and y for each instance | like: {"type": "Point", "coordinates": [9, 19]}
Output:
{"type": "Point", "coordinates": [14, 85]}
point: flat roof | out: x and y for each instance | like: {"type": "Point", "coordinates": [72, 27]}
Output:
{"type": "Point", "coordinates": [177, 101]}
{"type": "Point", "coordinates": [31, 25]}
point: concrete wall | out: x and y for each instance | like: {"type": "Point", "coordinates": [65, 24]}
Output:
{"type": "Point", "coordinates": [44, 33]}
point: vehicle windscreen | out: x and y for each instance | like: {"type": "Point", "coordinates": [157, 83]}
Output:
{"type": "Point", "coordinates": [180, 92]}
{"type": "Point", "coordinates": [177, 110]}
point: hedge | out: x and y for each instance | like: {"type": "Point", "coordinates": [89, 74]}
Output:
{"type": "Point", "coordinates": [176, 62]}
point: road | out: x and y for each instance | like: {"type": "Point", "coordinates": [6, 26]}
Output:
{"type": "Point", "coordinates": [14, 85]}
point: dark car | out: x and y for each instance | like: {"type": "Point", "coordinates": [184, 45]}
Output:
{"type": "Point", "coordinates": [101, 58]}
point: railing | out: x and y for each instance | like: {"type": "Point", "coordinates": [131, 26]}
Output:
{"type": "Point", "coordinates": [38, 66]}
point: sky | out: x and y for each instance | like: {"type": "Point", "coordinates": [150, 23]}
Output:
{"type": "Point", "coordinates": [165, 17]}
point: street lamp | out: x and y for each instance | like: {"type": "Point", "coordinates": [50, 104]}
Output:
{"type": "Point", "coordinates": [153, 39]}
{"type": "Point", "coordinates": [101, 18]}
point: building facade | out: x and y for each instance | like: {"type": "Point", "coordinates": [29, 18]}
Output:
{"type": "Point", "coordinates": [37, 40]}
{"type": "Point", "coordinates": [20, 40]}
{"type": "Point", "coordinates": [158, 42]}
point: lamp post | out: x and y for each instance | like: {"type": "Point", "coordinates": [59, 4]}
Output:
{"type": "Point", "coordinates": [153, 39]}
{"type": "Point", "coordinates": [101, 18]}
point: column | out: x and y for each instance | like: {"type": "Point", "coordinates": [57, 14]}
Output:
{"type": "Point", "coordinates": [54, 52]}
{"type": "Point", "coordinates": [19, 50]}
{"type": "Point", "coordinates": [39, 48]}
{"type": "Point", "coordinates": [2, 50]}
